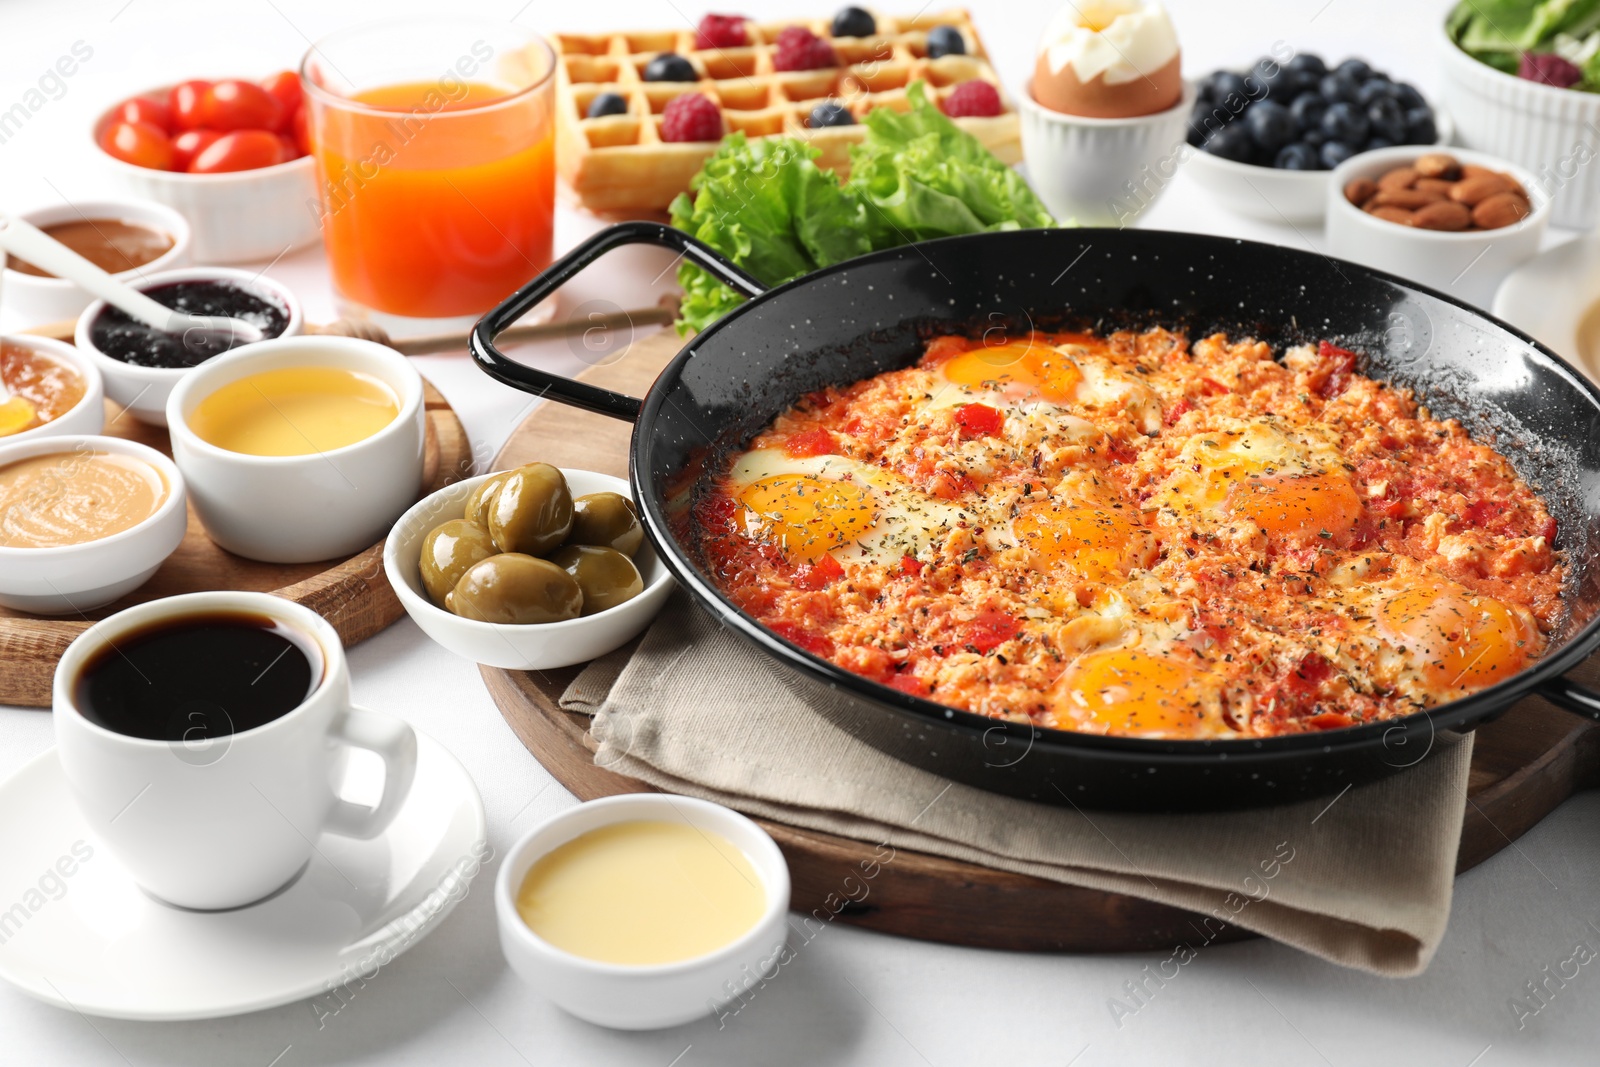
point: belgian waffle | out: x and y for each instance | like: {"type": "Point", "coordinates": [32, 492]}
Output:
{"type": "Point", "coordinates": [619, 164]}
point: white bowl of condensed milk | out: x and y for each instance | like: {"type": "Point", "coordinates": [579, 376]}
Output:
{"type": "Point", "coordinates": [84, 520]}
{"type": "Point", "coordinates": [645, 911]}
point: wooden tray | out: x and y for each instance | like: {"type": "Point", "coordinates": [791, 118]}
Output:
{"type": "Point", "coordinates": [1524, 764]}
{"type": "Point", "coordinates": [352, 594]}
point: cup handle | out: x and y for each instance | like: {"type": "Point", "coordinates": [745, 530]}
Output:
{"type": "Point", "coordinates": [396, 744]}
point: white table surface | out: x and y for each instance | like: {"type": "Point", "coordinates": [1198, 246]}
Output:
{"type": "Point", "coordinates": [849, 997]}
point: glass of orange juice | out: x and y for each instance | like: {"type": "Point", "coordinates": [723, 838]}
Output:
{"type": "Point", "coordinates": [435, 147]}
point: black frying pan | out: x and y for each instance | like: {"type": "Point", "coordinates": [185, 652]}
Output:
{"type": "Point", "coordinates": [874, 314]}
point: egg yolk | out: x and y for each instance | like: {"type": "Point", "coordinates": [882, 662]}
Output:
{"type": "Point", "coordinates": [1457, 640]}
{"type": "Point", "coordinates": [806, 515]}
{"type": "Point", "coordinates": [1132, 693]}
{"type": "Point", "coordinates": [1095, 542]}
{"type": "Point", "coordinates": [1310, 504]}
{"type": "Point", "coordinates": [1267, 478]}
{"type": "Point", "coordinates": [1018, 371]}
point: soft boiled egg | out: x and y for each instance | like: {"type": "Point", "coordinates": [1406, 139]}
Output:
{"type": "Point", "coordinates": [1289, 483]}
{"type": "Point", "coordinates": [1021, 375]}
{"type": "Point", "coordinates": [811, 505]}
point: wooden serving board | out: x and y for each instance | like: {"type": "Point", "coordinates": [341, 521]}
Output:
{"type": "Point", "coordinates": [1524, 764]}
{"type": "Point", "coordinates": [351, 593]}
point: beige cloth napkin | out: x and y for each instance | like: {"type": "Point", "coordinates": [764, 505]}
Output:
{"type": "Point", "coordinates": [1363, 879]}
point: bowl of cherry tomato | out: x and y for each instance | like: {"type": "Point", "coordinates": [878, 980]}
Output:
{"type": "Point", "coordinates": [231, 154]}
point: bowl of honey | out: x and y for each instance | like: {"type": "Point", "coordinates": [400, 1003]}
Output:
{"type": "Point", "coordinates": [300, 449]}
{"type": "Point", "coordinates": [47, 389]}
{"type": "Point", "coordinates": [644, 911]}
{"type": "Point", "coordinates": [84, 520]}
{"type": "Point", "coordinates": [126, 238]}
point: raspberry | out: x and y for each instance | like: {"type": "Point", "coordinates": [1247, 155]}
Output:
{"type": "Point", "coordinates": [721, 31]}
{"type": "Point", "coordinates": [973, 99]}
{"type": "Point", "coordinates": [800, 49]}
{"type": "Point", "coordinates": [691, 117]}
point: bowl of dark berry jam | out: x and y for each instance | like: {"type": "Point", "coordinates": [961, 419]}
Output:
{"type": "Point", "coordinates": [141, 364]}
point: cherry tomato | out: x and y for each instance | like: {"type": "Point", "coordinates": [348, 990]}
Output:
{"type": "Point", "coordinates": [239, 150]}
{"type": "Point", "coordinates": [184, 103]}
{"type": "Point", "coordinates": [284, 87]}
{"type": "Point", "coordinates": [291, 150]}
{"type": "Point", "coordinates": [138, 143]}
{"type": "Point", "coordinates": [979, 420]}
{"type": "Point", "coordinates": [300, 127]}
{"type": "Point", "coordinates": [190, 143]}
{"type": "Point", "coordinates": [144, 109]}
{"type": "Point", "coordinates": [233, 104]}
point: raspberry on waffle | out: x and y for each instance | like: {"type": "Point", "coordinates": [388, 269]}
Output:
{"type": "Point", "coordinates": [621, 164]}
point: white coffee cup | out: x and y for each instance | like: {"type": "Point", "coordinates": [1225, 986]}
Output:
{"type": "Point", "coordinates": [218, 819]}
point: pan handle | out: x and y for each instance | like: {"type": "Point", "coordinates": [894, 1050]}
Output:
{"type": "Point", "coordinates": [567, 390]}
{"type": "Point", "coordinates": [1570, 696]}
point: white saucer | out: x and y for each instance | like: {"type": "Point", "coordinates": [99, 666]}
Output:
{"type": "Point", "coordinates": [93, 942]}
{"type": "Point", "coordinates": [1553, 297]}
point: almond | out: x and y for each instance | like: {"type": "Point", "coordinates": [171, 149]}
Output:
{"type": "Point", "coordinates": [1437, 165]}
{"type": "Point", "coordinates": [1442, 215]}
{"type": "Point", "coordinates": [1434, 185]}
{"type": "Point", "coordinates": [1360, 190]}
{"type": "Point", "coordinates": [1502, 209]}
{"type": "Point", "coordinates": [1473, 191]}
{"type": "Point", "coordinates": [1391, 214]}
{"type": "Point", "coordinates": [1474, 170]}
{"type": "Point", "coordinates": [1398, 178]}
{"type": "Point", "coordinates": [1410, 199]}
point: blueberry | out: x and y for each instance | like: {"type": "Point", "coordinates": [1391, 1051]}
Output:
{"type": "Point", "coordinates": [1347, 123]}
{"type": "Point", "coordinates": [1387, 120]}
{"type": "Point", "coordinates": [1334, 153]}
{"type": "Point", "coordinates": [946, 41]}
{"type": "Point", "coordinates": [830, 113]}
{"type": "Point", "coordinates": [1338, 88]}
{"type": "Point", "coordinates": [669, 67]}
{"type": "Point", "coordinates": [1378, 142]}
{"type": "Point", "coordinates": [606, 104]}
{"type": "Point", "coordinates": [1314, 137]}
{"type": "Point", "coordinates": [1408, 96]}
{"type": "Point", "coordinates": [1308, 110]}
{"type": "Point", "coordinates": [1373, 90]}
{"type": "Point", "coordinates": [1273, 75]}
{"type": "Point", "coordinates": [1420, 127]}
{"type": "Point", "coordinates": [1225, 83]}
{"type": "Point", "coordinates": [1301, 82]}
{"type": "Point", "coordinates": [1308, 63]}
{"type": "Point", "coordinates": [854, 22]}
{"type": "Point", "coordinates": [1271, 125]}
{"type": "Point", "coordinates": [1299, 156]}
{"type": "Point", "coordinates": [1202, 123]}
{"type": "Point", "coordinates": [1232, 142]}
{"type": "Point", "coordinates": [1354, 69]}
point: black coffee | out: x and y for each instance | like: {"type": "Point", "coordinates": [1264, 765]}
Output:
{"type": "Point", "coordinates": [197, 677]}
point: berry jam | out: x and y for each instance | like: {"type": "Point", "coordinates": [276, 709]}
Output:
{"type": "Point", "coordinates": [123, 337]}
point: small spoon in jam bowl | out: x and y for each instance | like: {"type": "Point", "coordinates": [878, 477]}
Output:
{"type": "Point", "coordinates": [207, 334]}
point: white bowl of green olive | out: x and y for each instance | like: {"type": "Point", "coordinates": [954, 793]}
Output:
{"type": "Point", "coordinates": [529, 569]}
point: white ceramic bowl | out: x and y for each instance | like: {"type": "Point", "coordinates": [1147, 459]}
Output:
{"type": "Point", "coordinates": [533, 647]}
{"type": "Point", "coordinates": [144, 390]}
{"type": "Point", "coordinates": [45, 300]}
{"type": "Point", "coordinates": [654, 996]}
{"type": "Point", "coordinates": [238, 216]}
{"type": "Point", "coordinates": [75, 578]}
{"type": "Point", "coordinates": [1281, 196]}
{"type": "Point", "coordinates": [88, 415]}
{"type": "Point", "coordinates": [1555, 133]}
{"type": "Point", "coordinates": [297, 509]}
{"type": "Point", "coordinates": [1103, 172]}
{"type": "Point", "coordinates": [1469, 264]}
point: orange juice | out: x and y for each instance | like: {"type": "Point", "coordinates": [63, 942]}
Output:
{"type": "Point", "coordinates": [437, 200]}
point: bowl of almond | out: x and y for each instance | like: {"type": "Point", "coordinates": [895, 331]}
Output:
{"type": "Point", "coordinates": [1459, 221]}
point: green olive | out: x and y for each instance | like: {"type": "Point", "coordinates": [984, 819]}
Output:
{"type": "Point", "coordinates": [606, 576]}
{"type": "Point", "coordinates": [606, 519]}
{"type": "Point", "coordinates": [532, 512]}
{"type": "Point", "coordinates": [482, 499]}
{"type": "Point", "coordinates": [516, 588]}
{"type": "Point", "coordinates": [447, 552]}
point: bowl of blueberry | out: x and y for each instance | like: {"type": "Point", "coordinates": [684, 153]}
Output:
{"type": "Point", "coordinates": [1268, 137]}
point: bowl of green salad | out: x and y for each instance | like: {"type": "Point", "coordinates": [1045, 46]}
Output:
{"type": "Point", "coordinates": [1522, 79]}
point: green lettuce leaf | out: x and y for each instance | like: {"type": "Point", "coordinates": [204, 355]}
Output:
{"type": "Point", "coordinates": [1499, 31]}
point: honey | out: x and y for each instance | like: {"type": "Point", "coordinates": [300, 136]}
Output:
{"type": "Point", "coordinates": [35, 388]}
{"type": "Point", "coordinates": [69, 498]}
{"type": "Point", "coordinates": [294, 411]}
{"type": "Point", "coordinates": [642, 892]}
